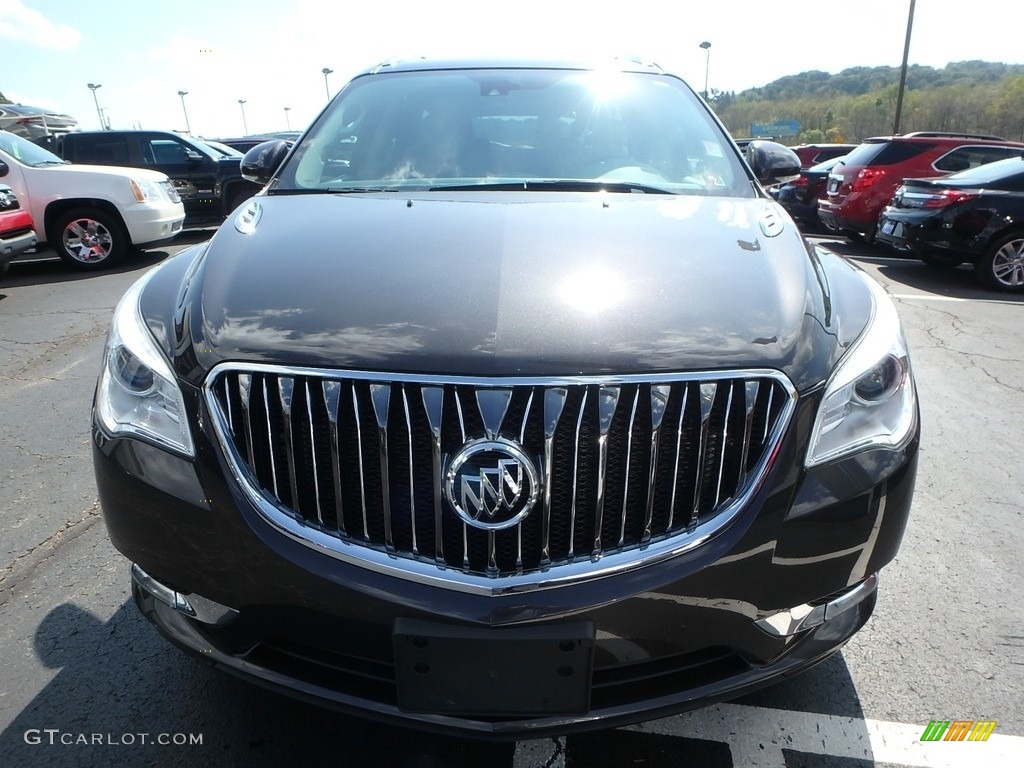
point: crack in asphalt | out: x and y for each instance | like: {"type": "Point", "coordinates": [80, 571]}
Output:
{"type": "Point", "coordinates": [23, 567]}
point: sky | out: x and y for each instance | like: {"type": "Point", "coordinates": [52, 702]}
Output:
{"type": "Point", "coordinates": [271, 53]}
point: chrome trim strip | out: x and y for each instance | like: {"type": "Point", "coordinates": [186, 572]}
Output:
{"type": "Point", "coordinates": [751, 391]}
{"type": "Point", "coordinates": [332, 401]}
{"type": "Point", "coordinates": [629, 460]}
{"type": "Point", "coordinates": [428, 573]}
{"type": "Point", "coordinates": [576, 474]}
{"type": "Point", "coordinates": [522, 441]}
{"type": "Point", "coordinates": [245, 393]}
{"type": "Point", "coordinates": [607, 403]}
{"type": "Point", "coordinates": [679, 448]}
{"type": "Point", "coordinates": [285, 393]}
{"type": "Point", "coordinates": [708, 393]}
{"type": "Point", "coordinates": [270, 438]}
{"type": "Point", "coordinates": [433, 404]}
{"type": "Point", "coordinates": [660, 394]}
{"type": "Point", "coordinates": [195, 606]}
{"type": "Point", "coordinates": [493, 405]}
{"type": "Point", "coordinates": [312, 451]}
{"type": "Point", "coordinates": [722, 443]}
{"type": "Point", "coordinates": [359, 453]}
{"type": "Point", "coordinates": [412, 470]}
{"type": "Point", "coordinates": [554, 402]}
{"type": "Point", "coordinates": [806, 616]}
{"type": "Point", "coordinates": [380, 398]}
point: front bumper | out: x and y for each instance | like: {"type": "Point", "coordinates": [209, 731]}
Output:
{"type": "Point", "coordinates": [693, 681]}
{"type": "Point", "coordinates": [741, 611]}
{"type": "Point", "coordinates": [154, 223]}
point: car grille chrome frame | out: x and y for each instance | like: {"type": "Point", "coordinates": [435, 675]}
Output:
{"type": "Point", "coordinates": [633, 469]}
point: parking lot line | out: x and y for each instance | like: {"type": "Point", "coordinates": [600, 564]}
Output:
{"type": "Point", "coordinates": [757, 736]}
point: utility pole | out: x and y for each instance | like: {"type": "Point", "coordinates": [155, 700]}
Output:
{"type": "Point", "coordinates": [903, 72]}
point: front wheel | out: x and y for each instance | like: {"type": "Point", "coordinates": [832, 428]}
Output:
{"type": "Point", "coordinates": [1002, 266]}
{"type": "Point", "coordinates": [90, 239]}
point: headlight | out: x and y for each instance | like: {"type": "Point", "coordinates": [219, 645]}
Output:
{"type": "Point", "coordinates": [137, 393]}
{"type": "Point", "coordinates": [870, 400]}
{"type": "Point", "coordinates": [146, 190]}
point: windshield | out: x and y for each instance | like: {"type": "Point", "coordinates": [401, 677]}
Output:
{"type": "Point", "coordinates": [25, 152]}
{"type": "Point", "coordinates": [497, 128]}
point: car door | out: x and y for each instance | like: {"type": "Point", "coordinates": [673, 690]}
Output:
{"type": "Point", "coordinates": [191, 172]}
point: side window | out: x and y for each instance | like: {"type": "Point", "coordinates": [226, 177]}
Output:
{"type": "Point", "coordinates": [160, 151]}
{"type": "Point", "coordinates": [962, 158]}
{"type": "Point", "coordinates": [101, 150]}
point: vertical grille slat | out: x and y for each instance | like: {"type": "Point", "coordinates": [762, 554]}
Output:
{"type": "Point", "coordinates": [331, 391]}
{"type": "Point", "coordinates": [620, 465]}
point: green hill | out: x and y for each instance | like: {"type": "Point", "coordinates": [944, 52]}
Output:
{"type": "Point", "coordinates": [964, 96]}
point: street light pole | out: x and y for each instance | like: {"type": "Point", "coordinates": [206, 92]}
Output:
{"type": "Point", "coordinates": [327, 88]}
{"type": "Point", "coordinates": [287, 121]}
{"type": "Point", "coordinates": [707, 65]}
{"type": "Point", "coordinates": [93, 87]}
{"type": "Point", "coordinates": [245, 125]}
{"type": "Point", "coordinates": [903, 72]}
{"type": "Point", "coordinates": [188, 128]}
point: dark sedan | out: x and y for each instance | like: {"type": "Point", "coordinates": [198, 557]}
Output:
{"type": "Point", "coordinates": [800, 196]}
{"type": "Point", "coordinates": [536, 414]}
{"type": "Point", "coordinates": [975, 216]}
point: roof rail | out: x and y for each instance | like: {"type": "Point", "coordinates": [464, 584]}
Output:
{"type": "Point", "coordinates": [953, 135]}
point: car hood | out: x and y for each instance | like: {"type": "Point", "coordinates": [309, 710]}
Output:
{"type": "Point", "coordinates": [110, 170]}
{"type": "Point", "coordinates": [519, 284]}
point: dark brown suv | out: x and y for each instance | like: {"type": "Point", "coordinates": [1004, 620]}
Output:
{"type": "Point", "coordinates": [861, 185]}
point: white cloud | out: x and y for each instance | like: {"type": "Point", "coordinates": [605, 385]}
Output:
{"type": "Point", "coordinates": [20, 23]}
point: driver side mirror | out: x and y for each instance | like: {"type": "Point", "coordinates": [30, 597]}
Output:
{"type": "Point", "coordinates": [771, 162]}
{"type": "Point", "coordinates": [262, 161]}
{"type": "Point", "coordinates": [4, 169]}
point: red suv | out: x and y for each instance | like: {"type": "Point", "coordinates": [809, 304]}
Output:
{"type": "Point", "coordinates": [861, 184]}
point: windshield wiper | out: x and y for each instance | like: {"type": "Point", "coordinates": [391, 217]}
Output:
{"type": "Point", "coordinates": [554, 185]}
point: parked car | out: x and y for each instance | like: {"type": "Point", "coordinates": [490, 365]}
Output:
{"type": "Point", "coordinates": [520, 422]}
{"type": "Point", "coordinates": [16, 229]}
{"type": "Point", "coordinates": [974, 216]}
{"type": "Point", "coordinates": [800, 196]}
{"type": "Point", "coordinates": [209, 183]}
{"type": "Point", "coordinates": [90, 215]}
{"type": "Point", "coordinates": [862, 184]}
{"type": "Point", "coordinates": [815, 154]}
{"type": "Point", "coordinates": [34, 122]}
{"type": "Point", "coordinates": [245, 143]}
{"type": "Point", "coordinates": [223, 149]}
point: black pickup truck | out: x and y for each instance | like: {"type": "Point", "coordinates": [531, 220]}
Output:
{"type": "Point", "coordinates": [210, 184]}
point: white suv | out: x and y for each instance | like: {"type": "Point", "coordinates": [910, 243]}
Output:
{"type": "Point", "coordinates": [91, 215]}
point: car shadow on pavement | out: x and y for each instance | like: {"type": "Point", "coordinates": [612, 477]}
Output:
{"type": "Point", "coordinates": [46, 268]}
{"type": "Point", "coordinates": [120, 679]}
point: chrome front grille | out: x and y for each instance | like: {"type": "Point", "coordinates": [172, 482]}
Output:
{"type": "Point", "coordinates": [354, 463]}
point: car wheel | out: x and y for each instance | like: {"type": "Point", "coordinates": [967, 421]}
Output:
{"type": "Point", "coordinates": [941, 260]}
{"type": "Point", "coordinates": [89, 239]}
{"type": "Point", "coordinates": [1002, 267]}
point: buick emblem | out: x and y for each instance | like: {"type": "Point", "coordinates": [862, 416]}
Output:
{"type": "Point", "coordinates": [491, 484]}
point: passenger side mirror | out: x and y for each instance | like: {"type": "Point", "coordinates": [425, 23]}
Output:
{"type": "Point", "coordinates": [4, 169]}
{"type": "Point", "coordinates": [262, 161]}
{"type": "Point", "coordinates": [771, 162]}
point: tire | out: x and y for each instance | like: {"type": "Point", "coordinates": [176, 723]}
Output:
{"type": "Point", "coordinates": [853, 237]}
{"type": "Point", "coordinates": [940, 260]}
{"type": "Point", "coordinates": [89, 239]}
{"type": "Point", "coordinates": [1002, 266]}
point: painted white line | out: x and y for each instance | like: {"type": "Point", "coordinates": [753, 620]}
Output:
{"type": "Point", "coordinates": [926, 297]}
{"type": "Point", "coordinates": [756, 737]}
